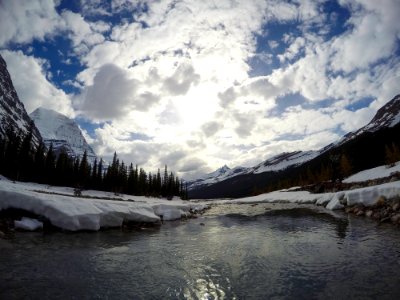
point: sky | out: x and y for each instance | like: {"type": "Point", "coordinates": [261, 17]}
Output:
{"type": "Point", "coordinates": [200, 84]}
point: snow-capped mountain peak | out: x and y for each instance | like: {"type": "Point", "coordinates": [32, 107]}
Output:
{"type": "Point", "coordinates": [219, 171]}
{"type": "Point", "coordinates": [220, 174]}
{"type": "Point", "coordinates": [62, 133]}
{"type": "Point", "coordinates": [12, 112]}
{"type": "Point", "coordinates": [273, 164]}
{"type": "Point", "coordinates": [388, 115]}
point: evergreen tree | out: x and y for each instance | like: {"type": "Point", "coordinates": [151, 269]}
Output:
{"type": "Point", "coordinates": [99, 179]}
{"type": "Point", "coordinates": [93, 176]}
{"type": "Point", "coordinates": [84, 171]}
{"type": "Point", "coordinates": [345, 166]}
{"type": "Point", "coordinates": [39, 164]}
{"type": "Point", "coordinates": [3, 145]}
{"type": "Point", "coordinates": [132, 184]}
{"type": "Point", "coordinates": [11, 154]}
{"type": "Point", "coordinates": [75, 171]}
{"type": "Point", "coordinates": [25, 157]}
{"type": "Point", "coordinates": [49, 165]}
{"type": "Point", "coordinates": [142, 186]}
{"type": "Point", "coordinates": [392, 154]}
{"type": "Point", "coordinates": [158, 183]}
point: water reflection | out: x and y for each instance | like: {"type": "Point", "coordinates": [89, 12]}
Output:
{"type": "Point", "coordinates": [291, 220]}
{"type": "Point", "coordinates": [294, 254]}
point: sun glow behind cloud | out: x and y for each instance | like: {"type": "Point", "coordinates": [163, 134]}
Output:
{"type": "Point", "coordinates": [200, 84]}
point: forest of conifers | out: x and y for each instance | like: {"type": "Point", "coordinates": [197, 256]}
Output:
{"type": "Point", "coordinates": [21, 160]}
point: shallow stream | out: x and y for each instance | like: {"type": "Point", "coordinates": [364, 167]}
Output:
{"type": "Point", "coordinates": [231, 252]}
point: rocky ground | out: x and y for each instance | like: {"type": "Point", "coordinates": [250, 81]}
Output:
{"type": "Point", "coordinates": [333, 187]}
{"type": "Point", "coordinates": [385, 210]}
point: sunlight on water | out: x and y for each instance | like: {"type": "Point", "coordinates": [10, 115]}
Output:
{"type": "Point", "coordinates": [248, 252]}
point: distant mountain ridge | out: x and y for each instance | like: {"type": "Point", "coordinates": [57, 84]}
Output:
{"type": "Point", "coordinates": [12, 111]}
{"type": "Point", "coordinates": [61, 132]}
{"type": "Point", "coordinates": [224, 183]}
{"type": "Point", "coordinates": [276, 163]}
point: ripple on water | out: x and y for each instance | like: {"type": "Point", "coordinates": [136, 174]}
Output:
{"type": "Point", "coordinates": [256, 254]}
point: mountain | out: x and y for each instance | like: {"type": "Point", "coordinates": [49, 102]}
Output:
{"type": "Point", "coordinates": [12, 112]}
{"type": "Point", "coordinates": [386, 117]}
{"type": "Point", "coordinates": [283, 161]}
{"type": "Point", "coordinates": [220, 174]}
{"type": "Point", "coordinates": [274, 164]}
{"type": "Point", "coordinates": [62, 132]}
{"type": "Point", "coordinates": [364, 148]}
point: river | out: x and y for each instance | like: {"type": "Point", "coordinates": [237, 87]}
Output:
{"type": "Point", "coordinates": [231, 252]}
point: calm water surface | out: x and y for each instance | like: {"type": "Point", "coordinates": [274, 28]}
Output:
{"type": "Point", "coordinates": [232, 252]}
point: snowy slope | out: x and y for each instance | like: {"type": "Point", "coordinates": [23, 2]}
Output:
{"type": "Point", "coordinates": [274, 164]}
{"type": "Point", "coordinates": [220, 174]}
{"type": "Point", "coordinates": [62, 132]}
{"type": "Point", "coordinates": [12, 111]}
{"type": "Point", "coordinates": [375, 173]}
{"type": "Point", "coordinates": [284, 160]}
{"type": "Point", "coordinates": [387, 116]}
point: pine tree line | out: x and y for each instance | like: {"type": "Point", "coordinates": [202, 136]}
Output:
{"type": "Point", "coordinates": [19, 160]}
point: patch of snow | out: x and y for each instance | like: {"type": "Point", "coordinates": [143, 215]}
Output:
{"type": "Point", "coordinates": [28, 224]}
{"type": "Point", "coordinates": [375, 173]}
{"type": "Point", "coordinates": [395, 121]}
{"type": "Point", "coordinates": [334, 203]}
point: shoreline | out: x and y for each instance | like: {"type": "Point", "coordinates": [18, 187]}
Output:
{"type": "Point", "coordinates": [40, 207]}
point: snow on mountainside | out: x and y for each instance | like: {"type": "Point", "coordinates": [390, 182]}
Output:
{"type": "Point", "coordinates": [12, 111]}
{"type": "Point", "coordinates": [387, 116]}
{"type": "Point", "coordinates": [62, 133]}
{"type": "Point", "coordinates": [284, 160]}
{"type": "Point", "coordinates": [274, 164]}
{"type": "Point", "coordinates": [221, 174]}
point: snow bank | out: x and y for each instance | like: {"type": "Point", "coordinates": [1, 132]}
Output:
{"type": "Point", "coordinates": [375, 173]}
{"type": "Point", "coordinates": [366, 196]}
{"type": "Point", "coordinates": [74, 213]}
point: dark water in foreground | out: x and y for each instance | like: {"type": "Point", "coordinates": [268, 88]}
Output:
{"type": "Point", "coordinates": [290, 254]}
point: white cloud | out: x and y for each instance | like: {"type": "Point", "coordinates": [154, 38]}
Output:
{"type": "Point", "coordinates": [33, 88]}
{"type": "Point", "coordinates": [180, 82]}
{"type": "Point", "coordinates": [179, 73]}
{"type": "Point", "coordinates": [374, 35]}
{"type": "Point", "coordinates": [273, 44]}
{"type": "Point", "coordinates": [21, 21]}
{"type": "Point", "coordinates": [83, 34]}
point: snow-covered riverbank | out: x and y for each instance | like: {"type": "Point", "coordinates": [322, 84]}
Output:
{"type": "Point", "coordinates": [94, 209]}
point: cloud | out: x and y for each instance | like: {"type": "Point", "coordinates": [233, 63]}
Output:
{"type": "Point", "coordinates": [180, 72]}
{"type": "Point", "coordinates": [374, 35]}
{"type": "Point", "coordinates": [83, 34]}
{"type": "Point", "coordinates": [112, 94]}
{"type": "Point", "coordinates": [33, 88]}
{"type": "Point", "coordinates": [22, 21]}
{"type": "Point", "coordinates": [211, 128]}
{"type": "Point", "coordinates": [180, 82]}
{"type": "Point", "coordinates": [246, 124]}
